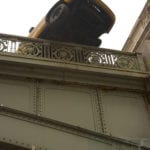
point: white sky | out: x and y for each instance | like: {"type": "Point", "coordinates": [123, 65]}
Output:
{"type": "Point", "coordinates": [17, 16]}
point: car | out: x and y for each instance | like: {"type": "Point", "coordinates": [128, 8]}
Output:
{"type": "Point", "coordinates": [75, 21]}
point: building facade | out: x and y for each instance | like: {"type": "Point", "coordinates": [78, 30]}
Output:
{"type": "Point", "coordinates": [65, 96]}
{"type": "Point", "coordinates": [139, 38]}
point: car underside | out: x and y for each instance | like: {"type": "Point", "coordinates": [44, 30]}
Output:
{"type": "Point", "coordinates": [76, 21]}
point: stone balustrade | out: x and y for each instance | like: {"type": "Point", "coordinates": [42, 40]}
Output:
{"type": "Point", "coordinates": [71, 53]}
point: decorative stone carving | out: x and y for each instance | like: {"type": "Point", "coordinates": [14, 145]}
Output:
{"type": "Point", "coordinates": [33, 49]}
{"type": "Point", "coordinates": [3, 45]}
{"type": "Point", "coordinates": [63, 53]}
{"type": "Point", "coordinates": [126, 62]}
{"type": "Point", "coordinates": [69, 52]}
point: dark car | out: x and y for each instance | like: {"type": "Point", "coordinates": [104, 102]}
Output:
{"type": "Point", "coordinates": [75, 21]}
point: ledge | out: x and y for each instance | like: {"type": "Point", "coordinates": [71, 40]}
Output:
{"type": "Point", "coordinates": [73, 63]}
{"type": "Point", "coordinates": [42, 68]}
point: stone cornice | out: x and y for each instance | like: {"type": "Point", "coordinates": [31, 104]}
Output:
{"type": "Point", "coordinates": [66, 62]}
{"type": "Point", "coordinates": [140, 31]}
{"type": "Point", "coordinates": [32, 67]}
{"type": "Point", "coordinates": [71, 53]}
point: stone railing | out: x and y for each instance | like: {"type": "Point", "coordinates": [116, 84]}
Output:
{"type": "Point", "coordinates": [71, 52]}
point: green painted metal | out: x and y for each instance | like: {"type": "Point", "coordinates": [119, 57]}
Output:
{"type": "Point", "coordinates": [65, 96]}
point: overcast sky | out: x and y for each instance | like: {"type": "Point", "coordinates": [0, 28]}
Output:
{"type": "Point", "coordinates": [17, 16]}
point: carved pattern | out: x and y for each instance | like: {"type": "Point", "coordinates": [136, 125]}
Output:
{"type": "Point", "coordinates": [102, 58]}
{"type": "Point", "coordinates": [34, 49]}
{"type": "Point", "coordinates": [125, 62]}
{"type": "Point", "coordinates": [3, 45]}
{"type": "Point", "coordinates": [63, 53]}
{"type": "Point", "coordinates": [69, 52]}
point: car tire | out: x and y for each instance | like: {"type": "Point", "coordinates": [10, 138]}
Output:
{"type": "Point", "coordinates": [58, 14]}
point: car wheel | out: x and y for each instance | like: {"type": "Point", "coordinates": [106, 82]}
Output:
{"type": "Point", "coordinates": [58, 14]}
